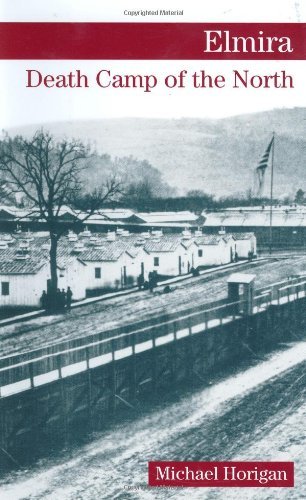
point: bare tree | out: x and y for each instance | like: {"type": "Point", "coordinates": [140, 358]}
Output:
{"type": "Point", "coordinates": [49, 175]}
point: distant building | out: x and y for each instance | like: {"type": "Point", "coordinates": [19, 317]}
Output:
{"type": "Point", "coordinates": [288, 224]}
{"type": "Point", "coordinates": [170, 222]}
{"type": "Point", "coordinates": [101, 221]}
{"type": "Point", "coordinates": [117, 214]}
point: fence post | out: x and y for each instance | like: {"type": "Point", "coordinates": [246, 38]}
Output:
{"type": "Point", "coordinates": [221, 317]}
{"type": "Point", "coordinates": [89, 382]}
{"type": "Point", "coordinates": [59, 366]}
{"type": "Point", "coordinates": [31, 371]}
{"type": "Point", "coordinates": [134, 372]}
{"type": "Point", "coordinates": [175, 355]}
{"type": "Point", "coordinates": [205, 320]}
{"type": "Point", "coordinates": [113, 376]}
{"type": "Point", "coordinates": [189, 326]}
{"type": "Point", "coordinates": [63, 399]}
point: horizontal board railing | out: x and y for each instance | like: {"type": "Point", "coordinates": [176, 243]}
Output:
{"type": "Point", "coordinates": [12, 359]}
{"type": "Point", "coordinates": [69, 344]}
{"type": "Point", "coordinates": [49, 362]}
{"type": "Point", "coordinates": [31, 372]}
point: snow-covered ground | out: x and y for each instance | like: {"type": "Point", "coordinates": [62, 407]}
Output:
{"type": "Point", "coordinates": [256, 414]}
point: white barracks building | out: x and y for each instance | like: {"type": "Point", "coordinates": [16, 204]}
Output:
{"type": "Point", "coordinates": [95, 263]}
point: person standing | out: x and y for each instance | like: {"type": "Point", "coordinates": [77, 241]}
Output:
{"type": "Point", "coordinates": [69, 295]}
{"type": "Point", "coordinates": [140, 281]}
{"type": "Point", "coordinates": [63, 299]}
{"type": "Point", "coordinates": [43, 300]}
{"type": "Point", "coordinates": [58, 300]}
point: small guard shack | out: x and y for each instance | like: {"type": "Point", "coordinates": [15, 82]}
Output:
{"type": "Point", "coordinates": [241, 289]}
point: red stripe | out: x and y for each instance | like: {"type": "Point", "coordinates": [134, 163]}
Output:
{"type": "Point", "coordinates": [136, 40]}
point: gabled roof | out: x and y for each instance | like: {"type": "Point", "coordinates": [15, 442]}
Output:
{"type": "Point", "coordinates": [162, 244]}
{"type": "Point", "coordinates": [227, 237]}
{"type": "Point", "coordinates": [117, 213]}
{"type": "Point", "coordinates": [187, 243]}
{"type": "Point", "coordinates": [209, 239]}
{"type": "Point", "coordinates": [6, 213]}
{"type": "Point", "coordinates": [27, 266]}
{"type": "Point", "coordinates": [64, 262]}
{"type": "Point", "coordinates": [255, 219]}
{"type": "Point", "coordinates": [243, 236]}
{"type": "Point", "coordinates": [163, 217]}
{"type": "Point", "coordinates": [109, 253]}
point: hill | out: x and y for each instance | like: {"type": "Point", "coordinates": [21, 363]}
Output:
{"type": "Point", "coordinates": [217, 156]}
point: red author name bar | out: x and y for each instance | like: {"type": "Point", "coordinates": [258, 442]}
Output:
{"type": "Point", "coordinates": [168, 41]}
{"type": "Point", "coordinates": [222, 474]}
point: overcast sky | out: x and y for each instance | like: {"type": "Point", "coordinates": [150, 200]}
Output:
{"type": "Point", "coordinates": [21, 105]}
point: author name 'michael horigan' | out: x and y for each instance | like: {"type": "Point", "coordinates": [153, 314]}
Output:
{"type": "Point", "coordinates": [224, 473]}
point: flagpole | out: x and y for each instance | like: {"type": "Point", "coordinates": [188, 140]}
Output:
{"type": "Point", "coordinates": [271, 194]}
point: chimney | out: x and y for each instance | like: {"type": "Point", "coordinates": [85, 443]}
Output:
{"type": "Point", "coordinates": [157, 233]}
{"type": "Point", "coordinates": [23, 251]}
{"type": "Point", "coordinates": [78, 247]}
{"type": "Point", "coordinates": [3, 244]}
{"type": "Point", "coordinates": [92, 240]}
{"type": "Point", "coordinates": [86, 233]}
{"type": "Point", "coordinates": [111, 236]}
{"type": "Point", "coordinates": [24, 245]}
{"type": "Point", "coordinates": [140, 241]}
{"type": "Point", "coordinates": [186, 234]}
{"type": "Point", "coordinates": [146, 235]}
{"type": "Point", "coordinates": [72, 236]}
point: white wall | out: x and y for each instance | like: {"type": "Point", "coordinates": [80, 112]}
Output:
{"type": "Point", "coordinates": [231, 245]}
{"type": "Point", "coordinates": [214, 255]}
{"type": "Point", "coordinates": [24, 289]}
{"type": "Point", "coordinates": [112, 273]}
{"type": "Point", "coordinates": [75, 275]}
{"type": "Point", "coordinates": [134, 265]}
{"type": "Point", "coordinates": [243, 247]}
{"type": "Point", "coordinates": [169, 261]}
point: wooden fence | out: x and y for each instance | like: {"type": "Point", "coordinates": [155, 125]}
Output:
{"type": "Point", "coordinates": [25, 371]}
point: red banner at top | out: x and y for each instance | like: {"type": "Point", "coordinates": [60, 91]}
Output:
{"type": "Point", "coordinates": [176, 41]}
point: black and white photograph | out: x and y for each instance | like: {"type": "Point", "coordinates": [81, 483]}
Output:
{"type": "Point", "coordinates": [152, 264]}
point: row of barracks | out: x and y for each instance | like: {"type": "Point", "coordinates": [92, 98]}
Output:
{"type": "Point", "coordinates": [92, 263]}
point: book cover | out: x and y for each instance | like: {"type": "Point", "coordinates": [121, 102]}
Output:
{"type": "Point", "coordinates": [152, 250]}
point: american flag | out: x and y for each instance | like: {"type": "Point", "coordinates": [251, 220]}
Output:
{"type": "Point", "coordinates": [262, 165]}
